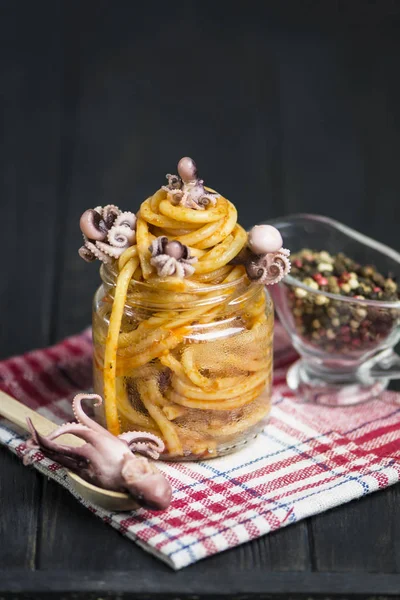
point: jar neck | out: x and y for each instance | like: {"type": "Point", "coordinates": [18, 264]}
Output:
{"type": "Point", "coordinates": [171, 294]}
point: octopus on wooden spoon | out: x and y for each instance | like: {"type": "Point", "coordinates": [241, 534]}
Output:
{"type": "Point", "coordinates": [106, 460]}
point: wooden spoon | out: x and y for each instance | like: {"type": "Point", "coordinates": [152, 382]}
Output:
{"type": "Point", "coordinates": [17, 413]}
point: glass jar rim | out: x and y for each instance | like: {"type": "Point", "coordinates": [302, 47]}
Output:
{"type": "Point", "coordinates": [196, 296]}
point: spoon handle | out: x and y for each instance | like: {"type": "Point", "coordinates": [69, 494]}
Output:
{"type": "Point", "coordinates": [17, 413]}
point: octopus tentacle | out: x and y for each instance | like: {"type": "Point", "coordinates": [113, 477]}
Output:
{"type": "Point", "coordinates": [143, 437]}
{"type": "Point", "coordinates": [165, 266]}
{"type": "Point", "coordinates": [86, 254]}
{"type": "Point", "coordinates": [174, 182]}
{"type": "Point", "coordinates": [144, 449]}
{"type": "Point", "coordinates": [175, 195]}
{"type": "Point", "coordinates": [270, 268]}
{"type": "Point", "coordinates": [285, 252]}
{"type": "Point", "coordinates": [31, 446]}
{"type": "Point", "coordinates": [83, 418]}
{"type": "Point", "coordinates": [126, 219]}
{"type": "Point", "coordinates": [189, 202]}
{"type": "Point", "coordinates": [121, 236]}
{"type": "Point", "coordinates": [98, 253]}
{"type": "Point", "coordinates": [52, 448]}
{"type": "Point", "coordinates": [110, 251]}
{"type": "Point", "coordinates": [65, 428]}
{"type": "Point", "coordinates": [109, 213]}
{"type": "Point", "coordinates": [81, 431]}
{"type": "Point", "coordinates": [168, 265]}
{"type": "Point", "coordinates": [179, 270]}
{"type": "Point", "coordinates": [207, 199]}
{"type": "Point", "coordinates": [74, 464]}
{"type": "Point", "coordinates": [278, 265]}
{"type": "Point", "coordinates": [157, 245]}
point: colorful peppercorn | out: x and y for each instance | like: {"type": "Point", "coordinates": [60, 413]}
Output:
{"type": "Point", "coordinates": [334, 325]}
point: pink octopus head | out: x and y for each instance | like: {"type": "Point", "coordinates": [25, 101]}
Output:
{"type": "Point", "coordinates": [145, 483]}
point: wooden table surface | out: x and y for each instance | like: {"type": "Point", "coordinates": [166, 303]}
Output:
{"type": "Point", "coordinates": [286, 106]}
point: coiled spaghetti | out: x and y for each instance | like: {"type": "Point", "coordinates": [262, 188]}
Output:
{"type": "Point", "coordinates": [189, 359]}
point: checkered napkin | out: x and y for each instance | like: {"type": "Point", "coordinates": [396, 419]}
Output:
{"type": "Point", "coordinates": [308, 459]}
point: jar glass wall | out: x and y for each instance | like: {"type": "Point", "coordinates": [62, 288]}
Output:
{"type": "Point", "coordinates": [194, 368]}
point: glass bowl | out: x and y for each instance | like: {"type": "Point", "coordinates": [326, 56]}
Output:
{"type": "Point", "coordinates": [350, 357]}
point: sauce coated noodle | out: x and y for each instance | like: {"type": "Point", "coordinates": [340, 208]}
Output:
{"type": "Point", "coordinates": [163, 372]}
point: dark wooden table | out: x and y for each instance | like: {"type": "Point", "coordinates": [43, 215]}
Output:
{"type": "Point", "coordinates": [286, 106]}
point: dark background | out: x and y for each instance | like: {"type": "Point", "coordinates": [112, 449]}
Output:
{"type": "Point", "coordinates": [286, 107]}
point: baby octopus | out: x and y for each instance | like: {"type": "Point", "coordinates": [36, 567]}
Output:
{"type": "Point", "coordinates": [171, 258]}
{"type": "Point", "coordinates": [186, 189]}
{"type": "Point", "coordinates": [264, 258]}
{"type": "Point", "coordinates": [107, 232]}
{"type": "Point", "coordinates": [106, 460]}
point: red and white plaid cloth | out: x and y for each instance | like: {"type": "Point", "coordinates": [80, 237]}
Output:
{"type": "Point", "coordinates": [308, 459]}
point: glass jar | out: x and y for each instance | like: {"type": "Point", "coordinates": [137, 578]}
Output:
{"type": "Point", "coordinates": [194, 368]}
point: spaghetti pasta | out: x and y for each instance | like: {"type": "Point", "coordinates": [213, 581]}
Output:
{"type": "Point", "coordinates": [110, 356]}
{"type": "Point", "coordinates": [188, 359]}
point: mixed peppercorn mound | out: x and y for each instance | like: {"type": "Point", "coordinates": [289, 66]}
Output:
{"type": "Point", "coordinates": [334, 325]}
